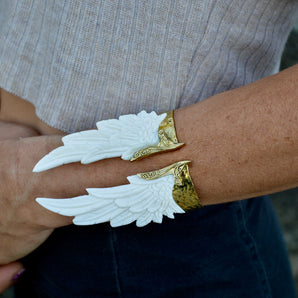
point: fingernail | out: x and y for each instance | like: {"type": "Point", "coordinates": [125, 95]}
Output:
{"type": "Point", "coordinates": [17, 276]}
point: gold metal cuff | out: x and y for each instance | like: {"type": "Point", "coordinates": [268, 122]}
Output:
{"type": "Point", "coordinates": [184, 192]}
{"type": "Point", "coordinates": [167, 137]}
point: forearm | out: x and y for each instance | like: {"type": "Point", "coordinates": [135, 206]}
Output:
{"type": "Point", "coordinates": [243, 143]}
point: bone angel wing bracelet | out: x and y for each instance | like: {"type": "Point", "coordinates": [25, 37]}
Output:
{"type": "Point", "coordinates": [132, 137]}
{"type": "Point", "coordinates": [148, 197]}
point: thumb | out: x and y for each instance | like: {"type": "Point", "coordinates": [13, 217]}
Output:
{"type": "Point", "coordinates": [9, 274]}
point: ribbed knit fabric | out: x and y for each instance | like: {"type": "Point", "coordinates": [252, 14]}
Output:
{"type": "Point", "coordinates": [81, 61]}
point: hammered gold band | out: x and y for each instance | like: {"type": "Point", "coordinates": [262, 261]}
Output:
{"type": "Point", "coordinates": [167, 137]}
{"type": "Point", "coordinates": [184, 192]}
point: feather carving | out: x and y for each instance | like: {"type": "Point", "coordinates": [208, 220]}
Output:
{"type": "Point", "coordinates": [143, 201]}
{"type": "Point", "coordinates": [112, 138]}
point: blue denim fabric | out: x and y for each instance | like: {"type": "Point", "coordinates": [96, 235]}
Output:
{"type": "Point", "coordinates": [227, 250]}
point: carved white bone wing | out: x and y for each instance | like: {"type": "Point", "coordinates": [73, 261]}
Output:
{"type": "Point", "coordinates": [112, 138]}
{"type": "Point", "coordinates": [142, 201]}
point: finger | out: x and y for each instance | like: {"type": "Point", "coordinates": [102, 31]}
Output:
{"type": "Point", "coordinates": [13, 131]}
{"type": "Point", "coordinates": [9, 274]}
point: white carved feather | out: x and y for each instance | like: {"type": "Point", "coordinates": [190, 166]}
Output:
{"type": "Point", "coordinates": [142, 201]}
{"type": "Point", "coordinates": [112, 138]}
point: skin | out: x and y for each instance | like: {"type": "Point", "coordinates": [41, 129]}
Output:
{"type": "Point", "coordinates": [12, 131]}
{"type": "Point", "coordinates": [242, 143]}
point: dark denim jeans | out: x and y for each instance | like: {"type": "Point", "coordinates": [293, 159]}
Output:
{"type": "Point", "coordinates": [228, 250]}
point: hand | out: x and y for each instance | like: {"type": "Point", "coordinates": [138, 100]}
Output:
{"type": "Point", "coordinates": [24, 224]}
{"type": "Point", "coordinates": [10, 272]}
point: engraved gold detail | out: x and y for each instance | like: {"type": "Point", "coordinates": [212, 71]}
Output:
{"type": "Point", "coordinates": [167, 137]}
{"type": "Point", "coordinates": [184, 192]}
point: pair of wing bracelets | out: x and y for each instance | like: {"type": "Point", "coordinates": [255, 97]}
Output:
{"type": "Point", "coordinates": [149, 196]}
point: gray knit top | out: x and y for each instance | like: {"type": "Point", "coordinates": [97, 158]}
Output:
{"type": "Point", "coordinates": [81, 61]}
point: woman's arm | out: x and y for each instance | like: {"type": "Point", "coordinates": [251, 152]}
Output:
{"type": "Point", "coordinates": [242, 143]}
